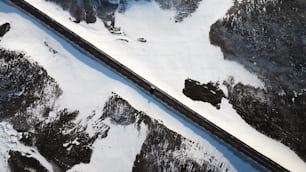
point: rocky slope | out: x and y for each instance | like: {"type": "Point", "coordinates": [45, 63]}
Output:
{"type": "Point", "coordinates": [163, 149]}
{"type": "Point", "coordinates": [27, 98]}
{"type": "Point", "coordinates": [268, 38]}
{"type": "Point", "coordinates": [4, 28]}
{"type": "Point", "coordinates": [90, 10]}
{"type": "Point", "coordinates": [23, 162]}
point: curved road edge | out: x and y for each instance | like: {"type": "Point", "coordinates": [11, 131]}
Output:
{"type": "Point", "coordinates": [148, 87]}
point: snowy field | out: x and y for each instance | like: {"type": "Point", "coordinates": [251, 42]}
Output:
{"type": "Point", "coordinates": [86, 85]}
{"type": "Point", "coordinates": [174, 52]}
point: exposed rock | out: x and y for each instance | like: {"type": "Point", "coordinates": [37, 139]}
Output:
{"type": "Point", "coordinates": [142, 40]}
{"type": "Point", "coordinates": [4, 29]}
{"type": "Point", "coordinates": [268, 38]}
{"type": "Point", "coordinates": [64, 142]}
{"type": "Point", "coordinates": [27, 97]}
{"type": "Point", "coordinates": [119, 111]}
{"type": "Point", "coordinates": [24, 86]}
{"type": "Point", "coordinates": [88, 11]}
{"type": "Point", "coordinates": [19, 162]}
{"type": "Point", "coordinates": [209, 92]}
{"type": "Point", "coordinates": [163, 149]}
{"type": "Point", "coordinates": [184, 8]}
{"type": "Point", "coordinates": [280, 116]}
{"type": "Point", "coordinates": [81, 10]}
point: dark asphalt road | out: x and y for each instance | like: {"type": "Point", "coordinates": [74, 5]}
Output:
{"type": "Point", "coordinates": [147, 87]}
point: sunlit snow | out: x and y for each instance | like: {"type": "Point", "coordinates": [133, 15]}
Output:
{"type": "Point", "coordinates": [173, 52]}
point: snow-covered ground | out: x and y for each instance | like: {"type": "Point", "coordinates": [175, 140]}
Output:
{"type": "Point", "coordinates": [115, 142]}
{"type": "Point", "coordinates": [86, 86]}
{"type": "Point", "coordinates": [173, 52]}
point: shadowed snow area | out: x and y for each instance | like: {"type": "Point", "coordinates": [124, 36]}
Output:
{"type": "Point", "coordinates": [67, 118]}
{"type": "Point", "coordinates": [166, 52]}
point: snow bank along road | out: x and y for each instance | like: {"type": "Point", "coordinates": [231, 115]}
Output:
{"type": "Point", "coordinates": [149, 88]}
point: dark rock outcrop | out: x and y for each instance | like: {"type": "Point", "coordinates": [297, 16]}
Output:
{"type": "Point", "coordinates": [4, 29]}
{"type": "Point", "coordinates": [280, 116]}
{"type": "Point", "coordinates": [27, 97]}
{"type": "Point", "coordinates": [209, 92]}
{"type": "Point", "coordinates": [163, 149]}
{"type": "Point", "coordinates": [81, 10]}
{"type": "Point", "coordinates": [142, 40]}
{"type": "Point", "coordinates": [64, 142]}
{"type": "Point", "coordinates": [89, 11]}
{"type": "Point", "coordinates": [21, 162]}
{"type": "Point", "coordinates": [120, 111]}
{"type": "Point", "coordinates": [268, 38]}
{"type": "Point", "coordinates": [24, 85]}
{"type": "Point", "coordinates": [184, 8]}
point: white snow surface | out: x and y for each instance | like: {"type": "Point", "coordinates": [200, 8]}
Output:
{"type": "Point", "coordinates": [86, 86]}
{"type": "Point", "coordinates": [173, 52]}
{"type": "Point", "coordinates": [116, 148]}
